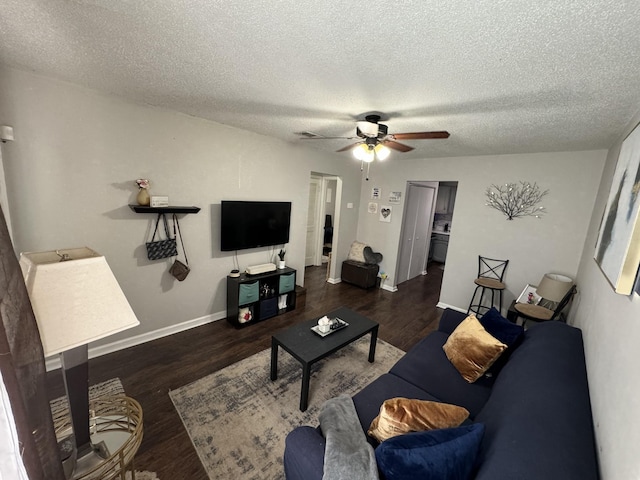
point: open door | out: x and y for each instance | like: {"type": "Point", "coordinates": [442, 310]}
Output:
{"type": "Point", "coordinates": [313, 223]}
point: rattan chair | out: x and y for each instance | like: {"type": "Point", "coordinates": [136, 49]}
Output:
{"type": "Point", "coordinates": [490, 277]}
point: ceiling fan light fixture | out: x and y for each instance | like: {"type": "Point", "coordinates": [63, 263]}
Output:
{"type": "Point", "coordinates": [364, 153]}
{"type": "Point", "coordinates": [382, 152]}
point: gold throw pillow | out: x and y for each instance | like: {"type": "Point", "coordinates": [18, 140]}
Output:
{"type": "Point", "coordinates": [401, 415]}
{"type": "Point", "coordinates": [471, 349]}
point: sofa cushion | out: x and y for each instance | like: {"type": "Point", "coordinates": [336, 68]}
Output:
{"type": "Point", "coordinates": [538, 418]}
{"type": "Point", "coordinates": [307, 466]}
{"type": "Point", "coordinates": [507, 332]}
{"type": "Point", "coordinates": [403, 415]}
{"type": "Point", "coordinates": [427, 367]}
{"type": "Point", "coordinates": [447, 454]}
{"type": "Point", "coordinates": [471, 349]}
{"type": "Point", "coordinates": [449, 320]}
{"type": "Point", "coordinates": [369, 400]}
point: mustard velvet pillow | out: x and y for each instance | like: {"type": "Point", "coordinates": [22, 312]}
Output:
{"type": "Point", "coordinates": [471, 349]}
{"type": "Point", "coordinates": [401, 415]}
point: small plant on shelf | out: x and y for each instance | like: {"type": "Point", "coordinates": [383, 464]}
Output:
{"type": "Point", "coordinates": [281, 254]}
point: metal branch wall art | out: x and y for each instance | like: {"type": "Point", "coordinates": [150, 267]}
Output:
{"type": "Point", "coordinates": [516, 200]}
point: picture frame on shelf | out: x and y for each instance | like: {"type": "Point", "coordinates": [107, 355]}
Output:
{"type": "Point", "coordinates": [524, 296]}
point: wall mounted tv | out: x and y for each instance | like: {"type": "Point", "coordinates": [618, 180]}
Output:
{"type": "Point", "coordinates": [245, 224]}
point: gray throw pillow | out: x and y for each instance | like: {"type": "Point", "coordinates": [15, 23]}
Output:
{"type": "Point", "coordinates": [371, 257]}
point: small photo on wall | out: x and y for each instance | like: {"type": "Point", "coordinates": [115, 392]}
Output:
{"type": "Point", "coordinates": [373, 207]}
{"type": "Point", "coordinates": [385, 213]}
{"type": "Point", "coordinates": [394, 197]}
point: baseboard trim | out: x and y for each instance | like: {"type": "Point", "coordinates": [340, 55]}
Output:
{"type": "Point", "coordinates": [389, 288]}
{"type": "Point", "coordinates": [452, 307]}
{"type": "Point", "coordinates": [53, 363]}
{"type": "Point", "coordinates": [334, 281]}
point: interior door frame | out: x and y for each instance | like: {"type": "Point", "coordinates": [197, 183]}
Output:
{"type": "Point", "coordinates": [316, 248]}
{"type": "Point", "coordinates": [336, 221]}
{"type": "Point", "coordinates": [319, 216]}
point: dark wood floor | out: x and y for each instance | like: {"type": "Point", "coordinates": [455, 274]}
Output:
{"type": "Point", "coordinates": [150, 370]}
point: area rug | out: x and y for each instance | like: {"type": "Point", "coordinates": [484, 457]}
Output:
{"type": "Point", "coordinates": [238, 418]}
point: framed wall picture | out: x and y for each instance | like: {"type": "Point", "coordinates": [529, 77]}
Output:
{"type": "Point", "coordinates": [618, 246]}
{"type": "Point", "coordinates": [385, 213]}
{"type": "Point", "coordinates": [529, 295]}
{"type": "Point", "coordinates": [394, 197]}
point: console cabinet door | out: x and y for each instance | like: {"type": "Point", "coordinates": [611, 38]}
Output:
{"type": "Point", "coordinates": [287, 283]}
{"type": "Point", "coordinates": [249, 293]}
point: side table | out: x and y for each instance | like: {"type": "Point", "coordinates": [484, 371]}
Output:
{"type": "Point", "coordinates": [116, 423]}
{"type": "Point", "coordinates": [512, 313]}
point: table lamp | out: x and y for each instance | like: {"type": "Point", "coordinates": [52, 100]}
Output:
{"type": "Point", "coordinates": [554, 287]}
{"type": "Point", "coordinates": [76, 300]}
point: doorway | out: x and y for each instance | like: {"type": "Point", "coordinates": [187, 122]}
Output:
{"type": "Point", "coordinates": [323, 220]}
{"type": "Point", "coordinates": [415, 235]}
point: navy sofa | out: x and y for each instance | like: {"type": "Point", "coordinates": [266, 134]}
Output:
{"type": "Point", "coordinates": [536, 409]}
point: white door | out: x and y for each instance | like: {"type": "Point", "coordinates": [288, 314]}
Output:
{"type": "Point", "coordinates": [422, 233]}
{"type": "Point", "coordinates": [312, 223]}
{"type": "Point", "coordinates": [416, 231]}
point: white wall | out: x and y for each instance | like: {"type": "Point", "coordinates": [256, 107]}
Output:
{"type": "Point", "coordinates": [533, 246]}
{"type": "Point", "coordinates": [611, 328]}
{"type": "Point", "coordinates": [70, 174]}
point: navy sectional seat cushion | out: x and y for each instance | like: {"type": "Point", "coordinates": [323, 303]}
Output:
{"type": "Point", "coordinates": [427, 367]}
{"type": "Point", "coordinates": [540, 403]}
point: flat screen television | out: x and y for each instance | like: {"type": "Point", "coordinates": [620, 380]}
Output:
{"type": "Point", "coordinates": [246, 224]}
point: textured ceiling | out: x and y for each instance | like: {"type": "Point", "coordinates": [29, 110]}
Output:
{"type": "Point", "coordinates": [501, 76]}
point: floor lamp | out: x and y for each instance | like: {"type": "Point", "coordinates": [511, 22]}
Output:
{"type": "Point", "coordinates": [76, 300]}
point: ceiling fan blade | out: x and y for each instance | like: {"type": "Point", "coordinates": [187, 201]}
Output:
{"type": "Point", "coordinates": [348, 147]}
{"type": "Point", "coordinates": [327, 138]}
{"type": "Point", "coordinates": [307, 135]}
{"type": "Point", "coordinates": [397, 146]}
{"type": "Point", "coordinates": [420, 135]}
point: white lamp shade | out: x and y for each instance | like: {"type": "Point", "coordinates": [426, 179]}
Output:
{"type": "Point", "coordinates": [76, 301]}
{"type": "Point", "coordinates": [554, 287]}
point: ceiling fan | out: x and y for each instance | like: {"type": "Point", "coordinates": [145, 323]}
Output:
{"type": "Point", "coordinates": [376, 140]}
{"type": "Point", "coordinates": [374, 134]}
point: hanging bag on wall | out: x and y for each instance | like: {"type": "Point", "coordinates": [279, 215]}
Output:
{"type": "Point", "coordinates": [159, 249]}
{"type": "Point", "coordinates": [179, 269]}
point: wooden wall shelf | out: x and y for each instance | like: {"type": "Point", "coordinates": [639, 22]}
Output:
{"type": "Point", "coordinates": [170, 209]}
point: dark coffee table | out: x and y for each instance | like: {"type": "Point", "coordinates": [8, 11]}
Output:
{"type": "Point", "coordinates": [308, 347]}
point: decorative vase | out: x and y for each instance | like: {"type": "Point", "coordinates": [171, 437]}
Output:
{"type": "Point", "coordinates": [143, 197]}
{"type": "Point", "coordinates": [281, 264]}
